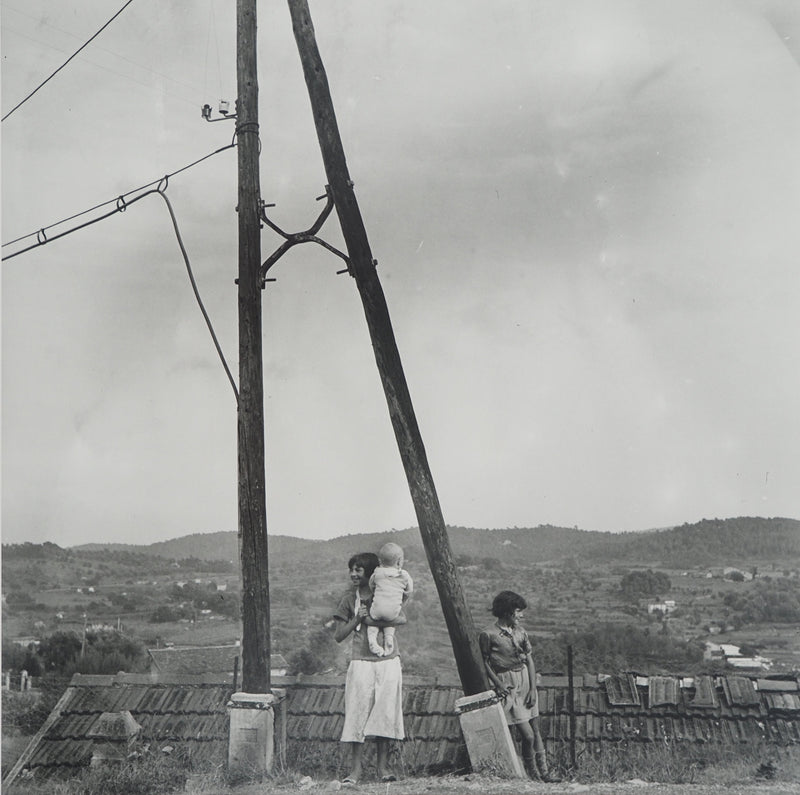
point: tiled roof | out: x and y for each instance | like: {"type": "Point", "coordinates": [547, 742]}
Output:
{"type": "Point", "coordinates": [181, 709]}
{"type": "Point", "coordinates": [607, 710]}
{"type": "Point", "coordinates": [621, 690]}
{"type": "Point", "coordinates": [705, 692]}
{"type": "Point", "coordinates": [740, 691]}
{"type": "Point", "coordinates": [191, 711]}
{"type": "Point", "coordinates": [662, 690]}
{"type": "Point", "coordinates": [315, 716]}
{"type": "Point", "coordinates": [203, 660]}
{"type": "Point", "coordinates": [195, 659]}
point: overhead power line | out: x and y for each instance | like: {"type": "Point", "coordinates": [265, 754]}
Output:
{"type": "Point", "coordinates": [121, 203]}
{"type": "Point", "coordinates": [123, 75]}
{"type": "Point", "coordinates": [51, 76]}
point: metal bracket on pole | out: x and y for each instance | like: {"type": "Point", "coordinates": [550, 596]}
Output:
{"type": "Point", "coordinates": [308, 236]}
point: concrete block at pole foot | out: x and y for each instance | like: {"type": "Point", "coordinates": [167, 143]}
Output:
{"type": "Point", "coordinates": [251, 738]}
{"type": "Point", "coordinates": [487, 736]}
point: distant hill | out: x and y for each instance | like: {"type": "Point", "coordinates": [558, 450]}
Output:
{"type": "Point", "coordinates": [707, 542]}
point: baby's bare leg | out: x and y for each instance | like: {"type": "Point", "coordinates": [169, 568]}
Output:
{"type": "Point", "coordinates": [372, 639]}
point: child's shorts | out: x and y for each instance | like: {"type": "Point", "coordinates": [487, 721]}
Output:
{"type": "Point", "coordinates": [519, 684]}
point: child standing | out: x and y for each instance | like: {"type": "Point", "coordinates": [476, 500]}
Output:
{"type": "Point", "coordinates": [508, 657]}
{"type": "Point", "coordinates": [391, 587]}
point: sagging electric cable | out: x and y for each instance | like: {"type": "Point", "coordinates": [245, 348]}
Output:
{"type": "Point", "coordinates": [121, 204]}
{"type": "Point", "coordinates": [197, 292]}
{"type": "Point", "coordinates": [41, 234]}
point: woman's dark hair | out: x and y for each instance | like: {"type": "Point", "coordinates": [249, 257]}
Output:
{"type": "Point", "coordinates": [365, 560]}
{"type": "Point", "coordinates": [506, 602]}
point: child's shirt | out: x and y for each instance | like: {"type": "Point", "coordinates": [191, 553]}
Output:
{"type": "Point", "coordinates": [390, 588]}
{"type": "Point", "coordinates": [506, 648]}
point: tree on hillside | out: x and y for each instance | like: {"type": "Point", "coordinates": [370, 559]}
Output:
{"type": "Point", "coordinates": [107, 652]}
{"type": "Point", "coordinates": [765, 600]}
{"type": "Point", "coordinates": [610, 648]}
{"type": "Point", "coordinates": [165, 613]}
{"type": "Point", "coordinates": [59, 650]}
{"type": "Point", "coordinates": [636, 584]}
{"type": "Point", "coordinates": [318, 655]}
{"type": "Point", "coordinates": [18, 658]}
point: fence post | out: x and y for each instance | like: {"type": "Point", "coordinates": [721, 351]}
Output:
{"type": "Point", "coordinates": [571, 707]}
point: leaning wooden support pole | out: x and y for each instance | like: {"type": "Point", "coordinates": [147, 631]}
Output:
{"type": "Point", "coordinates": [401, 411]}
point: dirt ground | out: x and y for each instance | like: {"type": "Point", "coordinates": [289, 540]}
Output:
{"type": "Point", "coordinates": [481, 785]}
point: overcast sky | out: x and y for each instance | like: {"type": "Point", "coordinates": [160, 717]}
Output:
{"type": "Point", "coordinates": [586, 220]}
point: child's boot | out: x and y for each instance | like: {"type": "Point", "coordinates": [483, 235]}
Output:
{"type": "Point", "coordinates": [545, 774]}
{"type": "Point", "coordinates": [530, 767]}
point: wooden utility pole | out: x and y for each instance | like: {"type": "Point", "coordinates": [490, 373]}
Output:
{"type": "Point", "coordinates": [401, 411]}
{"type": "Point", "coordinates": [252, 486]}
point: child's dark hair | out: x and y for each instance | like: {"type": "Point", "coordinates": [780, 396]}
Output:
{"type": "Point", "coordinates": [365, 560]}
{"type": "Point", "coordinates": [506, 602]}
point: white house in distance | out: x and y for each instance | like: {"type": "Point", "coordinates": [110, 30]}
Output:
{"type": "Point", "coordinates": [665, 608]}
{"type": "Point", "coordinates": [730, 654]}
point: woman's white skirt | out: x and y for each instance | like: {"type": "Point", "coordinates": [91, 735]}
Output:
{"type": "Point", "coordinates": [373, 700]}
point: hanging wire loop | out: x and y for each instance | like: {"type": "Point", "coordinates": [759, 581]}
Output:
{"type": "Point", "coordinates": [120, 204]}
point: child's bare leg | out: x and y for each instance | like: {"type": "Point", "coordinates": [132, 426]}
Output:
{"type": "Point", "coordinates": [372, 639]}
{"type": "Point", "coordinates": [388, 639]}
{"type": "Point", "coordinates": [528, 749]}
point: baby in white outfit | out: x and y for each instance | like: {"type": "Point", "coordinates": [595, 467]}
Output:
{"type": "Point", "coordinates": [391, 587]}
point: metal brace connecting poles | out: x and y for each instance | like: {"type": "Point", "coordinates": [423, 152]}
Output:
{"type": "Point", "coordinates": [401, 411]}
{"type": "Point", "coordinates": [309, 236]}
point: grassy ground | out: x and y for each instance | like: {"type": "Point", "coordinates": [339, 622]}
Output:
{"type": "Point", "coordinates": [487, 786]}
{"type": "Point", "coordinates": [736, 772]}
{"type": "Point", "coordinates": [449, 785]}
{"type": "Point", "coordinates": [13, 746]}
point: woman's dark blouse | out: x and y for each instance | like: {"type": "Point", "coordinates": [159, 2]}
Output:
{"type": "Point", "coordinates": [345, 611]}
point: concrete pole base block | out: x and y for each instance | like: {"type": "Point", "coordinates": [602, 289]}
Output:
{"type": "Point", "coordinates": [487, 736]}
{"type": "Point", "coordinates": [251, 739]}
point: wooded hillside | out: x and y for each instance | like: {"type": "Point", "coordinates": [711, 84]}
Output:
{"type": "Point", "coordinates": [707, 542]}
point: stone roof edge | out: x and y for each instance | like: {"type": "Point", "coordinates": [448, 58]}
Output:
{"type": "Point", "coordinates": [154, 678]}
{"type": "Point", "coordinates": [168, 649]}
{"type": "Point", "coordinates": [559, 681]}
{"type": "Point", "coordinates": [792, 682]}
